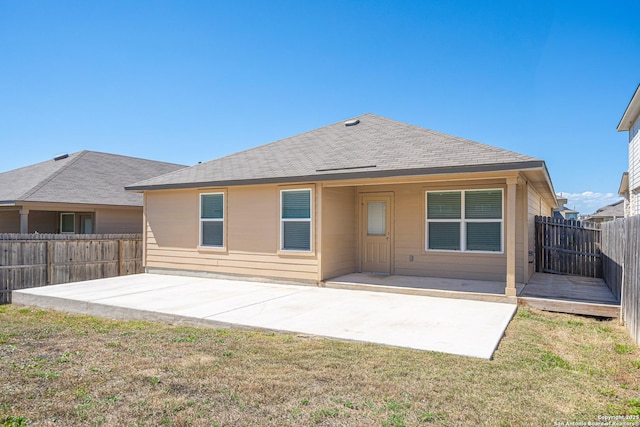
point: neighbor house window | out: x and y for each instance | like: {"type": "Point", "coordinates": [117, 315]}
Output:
{"type": "Point", "coordinates": [67, 223]}
{"type": "Point", "coordinates": [464, 221]}
{"type": "Point", "coordinates": [295, 220]}
{"type": "Point", "coordinates": [212, 220]}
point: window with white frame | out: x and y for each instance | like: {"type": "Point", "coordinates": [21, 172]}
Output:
{"type": "Point", "coordinates": [466, 220]}
{"type": "Point", "coordinates": [212, 220]}
{"type": "Point", "coordinates": [67, 223]}
{"type": "Point", "coordinates": [295, 220]}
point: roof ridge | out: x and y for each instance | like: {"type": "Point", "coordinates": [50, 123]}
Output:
{"type": "Point", "coordinates": [284, 139]}
{"type": "Point", "coordinates": [455, 137]}
{"type": "Point", "coordinates": [262, 146]}
{"type": "Point", "coordinates": [130, 157]}
{"type": "Point", "coordinates": [50, 177]}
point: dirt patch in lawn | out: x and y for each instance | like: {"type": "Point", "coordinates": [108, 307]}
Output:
{"type": "Point", "coordinates": [59, 369]}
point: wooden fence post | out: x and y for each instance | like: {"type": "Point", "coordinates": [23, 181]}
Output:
{"type": "Point", "coordinates": [120, 260]}
{"type": "Point", "coordinates": [50, 262]}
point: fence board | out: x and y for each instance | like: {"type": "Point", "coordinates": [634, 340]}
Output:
{"type": "Point", "coordinates": [621, 259]}
{"type": "Point", "coordinates": [32, 260]}
{"type": "Point", "coordinates": [567, 247]}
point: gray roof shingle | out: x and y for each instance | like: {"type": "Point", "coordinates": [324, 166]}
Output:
{"type": "Point", "coordinates": [377, 146]}
{"type": "Point", "coordinates": [86, 177]}
{"type": "Point", "coordinates": [614, 210]}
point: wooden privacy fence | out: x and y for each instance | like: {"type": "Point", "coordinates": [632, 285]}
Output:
{"type": "Point", "coordinates": [32, 260]}
{"type": "Point", "coordinates": [621, 265]}
{"type": "Point", "coordinates": [566, 246]}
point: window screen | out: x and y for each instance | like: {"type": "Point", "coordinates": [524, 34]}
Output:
{"type": "Point", "coordinates": [295, 220]}
{"type": "Point", "coordinates": [212, 220]}
{"type": "Point", "coordinates": [468, 220]}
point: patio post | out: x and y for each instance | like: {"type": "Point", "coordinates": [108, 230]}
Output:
{"type": "Point", "coordinates": [510, 289]}
{"type": "Point", "coordinates": [24, 221]}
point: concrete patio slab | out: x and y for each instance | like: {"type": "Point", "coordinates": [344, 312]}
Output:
{"type": "Point", "coordinates": [456, 326]}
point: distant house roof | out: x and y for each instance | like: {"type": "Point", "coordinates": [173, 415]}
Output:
{"type": "Point", "coordinates": [363, 147]}
{"type": "Point", "coordinates": [631, 112]}
{"type": "Point", "coordinates": [614, 210]}
{"type": "Point", "coordinates": [86, 177]}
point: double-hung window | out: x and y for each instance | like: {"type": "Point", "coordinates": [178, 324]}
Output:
{"type": "Point", "coordinates": [469, 220]}
{"type": "Point", "coordinates": [212, 220]}
{"type": "Point", "coordinates": [295, 220]}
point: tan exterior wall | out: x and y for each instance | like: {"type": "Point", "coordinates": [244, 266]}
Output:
{"type": "Point", "coordinates": [537, 206]}
{"type": "Point", "coordinates": [252, 228]}
{"type": "Point", "coordinates": [252, 225]}
{"type": "Point", "coordinates": [117, 221]}
{"type": "Point", "coordinates": [43, 222]}
{"type": "Point", "coordinates": [535, 209]}
{"type": "Point", "coordinates": [409, 236]}
{"type": "Point", "coordinates": [522, 235]}
{"type": "Point", "coordinates": [9, 221]}
{"type": "Point", "coordinates": [40, 221]}
{"type": "Point", "coordinates": [339, 231]}
{"type": "Point", "coordinates": [45, 218]}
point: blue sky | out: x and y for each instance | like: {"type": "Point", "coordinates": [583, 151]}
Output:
{"type": "Point", "coordinates": [190, 81]}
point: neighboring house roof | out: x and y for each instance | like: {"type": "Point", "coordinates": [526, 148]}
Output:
{"type": "Point", "coordinates": [614, 210]}
{"type": "Point", "coordinates": [86, 177]}
{"type": "Point", "coordinates": [631, 113]}
{"type": "Point", "coordinates": [374, 147]}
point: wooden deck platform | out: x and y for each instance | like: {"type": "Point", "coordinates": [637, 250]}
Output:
{"type": "Point", "coordinates": [550, 292]}
{"type": "Point", "coordinates": [569, 294]}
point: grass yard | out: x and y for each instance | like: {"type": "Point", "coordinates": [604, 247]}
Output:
{"type": "Point", "coordinates": [69, 370]}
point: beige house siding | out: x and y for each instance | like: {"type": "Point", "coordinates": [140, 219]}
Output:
{"type": "Point", "coordinates": [534, 209]}
{"type": "Point", "coordinates": [43, 222]}
{"type": "Point", "coordinates": [252, 227]}
{"type": "Point", "coordinates": [106, 220]}
{"type": "Point", "coordinates": [409, 236]}
{"type": "Point", "coordinates": [522, 235]}
{"type": "Point", "coordinates": [9, 221]}
{"type": "Point", "coordinates": [537, 206]}
{"type": "Point", "coordinates": [116, 221]}
{"type": "Point", "coordinates": [40, 221]}
{"type": "Point", "coordinates": [339, 231]}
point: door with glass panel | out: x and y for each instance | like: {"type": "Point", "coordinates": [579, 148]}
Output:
{"type": "Point", "coordinates": [376, 239]}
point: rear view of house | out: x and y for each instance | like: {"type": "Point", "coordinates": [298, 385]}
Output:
{"type": "Point", "coordinates": [366, 195]}
{"type": "Point", "coordinates": [78, 193]}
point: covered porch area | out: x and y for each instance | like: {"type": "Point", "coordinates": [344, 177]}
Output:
{"type": "Point", "coordinates": [550, 292]}
{"type": "Point", "coordinates": [445, 234]}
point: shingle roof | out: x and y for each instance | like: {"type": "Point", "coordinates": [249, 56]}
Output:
{"type": "Point", "coordinates": [376, 146]}
{"type": "Point", "coordinates": [614, 210]}
{"type": "Point", "coordinates": [86, 177]}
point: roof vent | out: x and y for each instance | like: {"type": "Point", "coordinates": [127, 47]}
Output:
{"type": "Point", "coordinates": [60, 157]}
{"type": "Point", "coordinates": [351, 122]}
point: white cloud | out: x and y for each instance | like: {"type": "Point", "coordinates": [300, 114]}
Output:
{"type": "Point", "coordinates": [588, 202]}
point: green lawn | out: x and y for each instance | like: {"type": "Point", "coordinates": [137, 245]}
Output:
{"type": "Point", "coordinates": [59, 369]}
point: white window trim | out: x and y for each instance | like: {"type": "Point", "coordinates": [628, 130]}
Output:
{"type": "Point", "coordinates": [463, 222]}
{"type": "Point", "coordinates": [310, 220]}
{"type": "Point", "coordinates": [73, 215]}
{"type": "Point", "coordinates": [222, 220]}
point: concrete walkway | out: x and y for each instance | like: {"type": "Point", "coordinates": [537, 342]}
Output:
{"type": "Point", "coordinates": [456, 326]}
